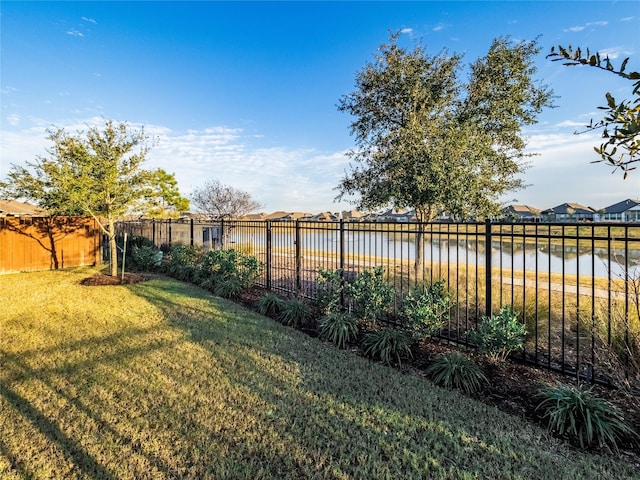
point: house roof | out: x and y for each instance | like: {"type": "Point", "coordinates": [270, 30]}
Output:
{"type": "Point", "coordinates": [522, 209]}
{"type": "Point", "coordinates": [570, 208]}
{"type": "Point", "coordinates": [15, 208]}
{"type": "Point", "coordinates": [622, 206]}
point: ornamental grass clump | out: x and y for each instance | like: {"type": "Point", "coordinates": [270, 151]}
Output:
{"type": "Point", "coordinates": [456, 370]}
{"type": "Point", "coordinates": [582, 416]}
{"type": "Point", "coordinates": [499, 335]}
{"type": "Point", "coordinates": [339, 328]}
{"type": "Point", "coordinates": [387, 344]}
{"type": "Point", "coordinates": [295, 313]}
{"type": "Point", "coordinates": [270, 305]}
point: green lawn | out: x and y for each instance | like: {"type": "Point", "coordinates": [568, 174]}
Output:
{"type": "Point", "coordinates": [162, 380]}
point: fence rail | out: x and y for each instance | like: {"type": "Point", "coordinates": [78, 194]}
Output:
{"type": "Point", "coordinates": [576, 285]}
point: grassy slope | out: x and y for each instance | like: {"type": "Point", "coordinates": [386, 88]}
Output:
{"type": "Point", "coordinates": [162, 380]}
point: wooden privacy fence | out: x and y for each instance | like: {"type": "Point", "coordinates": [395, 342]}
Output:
{"type": "Point", "coordinates": [48, 243]}
{"type": "Point", "coordinates": [576, 286]}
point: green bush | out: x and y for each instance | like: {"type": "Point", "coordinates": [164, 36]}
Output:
{"type": "Point", "coordinates": [295, 313]}
{"type": "Point", "coordinates": [582, 416]}
{"type": "Point", "coordinates": [270, 305]}
{"type": "Point", "coordinates": [456, 370]}
{"type": "Point", "coordinates": [424, 310]}
{"type": "Point", "coordinates": [387, 344]}
{"type": "Point", "coordinates": [182, 262]}
{"type": "Point", "coordinates": [143, 259]}
{"type": "Point", "coordinates": [227, 272]}
{"type": "Point", "coordinates": [499, 335]}
{"type": "Point", "coordinates": [370, 295]}
{"type": "Point", "coordinates": [331, 288]}
{"type": "Point", "coordinates": [339, 328]}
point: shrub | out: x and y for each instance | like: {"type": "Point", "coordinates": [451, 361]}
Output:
{"type": "Point", "coordinates": [331, 288]}
{"type": "Point", "coordinates": [370, 295]}
{"type": "Point", "coordinates": [456, 370]}
{"type": "Point", "coordinates": [387, 344]}
{"type": "Point", "coordinates": [499, 335]}
{"type": "Point", "coordinates": [294, 313]}
{"type": "Point", "coordinates": [183, 262]}
{"type": "Point", "coordinates": [270, 305]}
{"type": "Point", "coordinates": [582, 416]}
{"type": "Point", "coordinates": [339, 328]}
{"type": "Point", "coordinates": [424, 310]}
{"type": "Point", "coordinates": [227, 272]}
{"type": "Point", "coordinates": [144, 259]}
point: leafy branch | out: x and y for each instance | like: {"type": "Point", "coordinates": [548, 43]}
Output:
{"type": "Point", "coordinates": [621, 122]}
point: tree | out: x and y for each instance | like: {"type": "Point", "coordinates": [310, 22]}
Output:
{"type": "Point", "coordinates": [163, 199]}
{"type": "Point", "coordinates": [222, 201]}
{"type": "Point", "coordinates": [622, 147]}
{"type": "Point", "coordinates": [427, 141]}
{"type": "Point", "coordinates": [97, 173]}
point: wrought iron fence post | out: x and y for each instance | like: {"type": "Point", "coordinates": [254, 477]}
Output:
{"type": "Point", "coordinates": [191, 231]}
{"type": "Point", "coordinates": [487, 248]}
{"type": "Point", "coordinates": [341, 253]}
{"type": "Point", "coordinates": [298, 258]}
{"type": "Point", "coordinates": [169, 239]}
{"type": "Point", "coordinates": [268, 254]}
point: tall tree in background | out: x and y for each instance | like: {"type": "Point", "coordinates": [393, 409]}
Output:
{"type": "Point", "coordinates": [621, 147]}
{"type": "Point", "coordinates": [97, 173]}
{"type": "Point", "coordinates": [427, 141]}
{"type": "Point", "coordinates": [219, 201]}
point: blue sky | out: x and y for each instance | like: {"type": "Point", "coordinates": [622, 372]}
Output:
{"type": "Point", "coordinates": [246, 92]}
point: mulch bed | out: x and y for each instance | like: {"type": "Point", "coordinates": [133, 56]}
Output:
{"type": "Point", "coordinates": [102, 279]}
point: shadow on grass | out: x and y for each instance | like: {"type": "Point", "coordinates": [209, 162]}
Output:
{"type": "Point", "coordinates": [15, 368]}
{"type": "Point", "coordinates": [327, 411]}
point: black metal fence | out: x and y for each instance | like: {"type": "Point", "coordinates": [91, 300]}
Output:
{"type": "Point", "coordinates": [575, 285]}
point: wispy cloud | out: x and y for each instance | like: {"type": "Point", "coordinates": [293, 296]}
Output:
{"type": "Point", "coordinates": [90, 20]}
{"type": "Point", "coordinates": [75, 33]}
{"type": "Point", "coordinates": [579, 28]}
{"type": "Point", "coordinates": [439, 27]}
{"type": "Point", "coordinates": [14, 119]}
{"type": "Point", "coordinates": [615, 52]}
{"type": "Point", "coordinates": [406, 31]}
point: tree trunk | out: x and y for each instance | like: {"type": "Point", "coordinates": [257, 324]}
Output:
{"type": "Point", "coordinates": [113, 247]}
{"type": "Point", "coordinates": [52, 242]}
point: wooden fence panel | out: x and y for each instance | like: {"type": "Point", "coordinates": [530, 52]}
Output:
{"type": "Point", "coordinates": [47, 243]}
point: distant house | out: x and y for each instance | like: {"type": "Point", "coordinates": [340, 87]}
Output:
{"type": "Point", "coordinates": [324, 217]}
{"type": "Point", "coordinates": [287, 216]}
{"type": "Point", "coordinates": [396, 215]}
{"type": "Point", "coordinates": [254, 216]}
{"type": "Point", "coordinates": [625, 211]}
{"type": "Point", "coordinates": [568, 212]}
{"type": "Point", "coordinates": [520, 213]}
{"type": "Point", "coordinates": [14, 208]}
{"type": "Point", "coordinates": [352, 216]}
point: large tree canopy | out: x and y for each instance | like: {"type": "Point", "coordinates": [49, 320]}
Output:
{"type": "Point", "coordinates": [428, 141]}
{"type": "Point", "coordinates": [99, 173]}
{"type": "Point", "coordinates": [621, 122]}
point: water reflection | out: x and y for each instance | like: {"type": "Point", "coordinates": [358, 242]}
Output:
{"type": "Point", "coordinates": [547, 256]}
